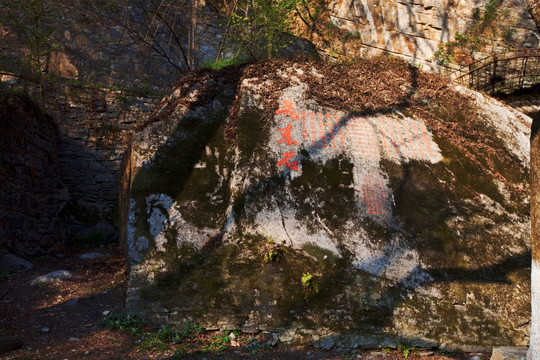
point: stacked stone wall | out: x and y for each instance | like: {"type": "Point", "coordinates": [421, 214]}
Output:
{"type": "Point", "coordinates": [32, 193]}
{"type": "Point", "coordinates": [94, 126]}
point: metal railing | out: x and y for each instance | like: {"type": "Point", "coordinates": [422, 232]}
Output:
{"type": "Point", "coordinates": [502, 73]}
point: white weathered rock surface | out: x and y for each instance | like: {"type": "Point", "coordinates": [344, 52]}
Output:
{"type": "Point", "coordinates": [508, 353]}
{"type": "Point", "coordinates": [52, 277]}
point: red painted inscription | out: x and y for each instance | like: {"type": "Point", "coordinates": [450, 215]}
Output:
{"type": "Point", "coordinates": [288, 109]}
{"type": "Point", "coordinates": [293, 165]}
{"type": "Point", "coordinates": [286, 136]}
{"type": "Point", "coordinates": [373, 194]}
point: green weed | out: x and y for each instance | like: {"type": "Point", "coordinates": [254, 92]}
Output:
{"type": "Point", "coordinates": [168, 334]}
{"type": "Point", "coordinates": [189, 329]}
{"type": "Point", "coordinates": [125, 322]}
{"type": "Point", "coordinates": [144, 90]}
{"type": "Point", "coordinates": [348, 356]}
{"type": "Point", "coordinates": [234, 332]}
{"type": "Point", "coordinates": [217, 345]}
{"type": "Point", "coordinates": [159, 340]}
{"type": "Point", "coordinates": [405, 350]}
{"type": "Point", "coordinates": [274, 252]}
{"type": "Point", "coordinates": [152, 341]}
{"type": "Point", "coordinates": [40, 259]}
{"type": "Point", "coordinates": [179, 354]}
{"type": "Point", "coordinates": [222, 63]}
{"type": "Point", "coordinates": [254, 346]}
{"type": "Point", "coordinates": [310, 281]}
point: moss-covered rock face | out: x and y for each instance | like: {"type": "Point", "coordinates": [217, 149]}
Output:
{"type": "Point", "coordinates": [264, 198]}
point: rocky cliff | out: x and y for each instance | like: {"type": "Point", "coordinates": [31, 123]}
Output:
{"type": "Point", "coordinates": [416, 30]}
{"type": "Point", "coordinates": [324, 205]}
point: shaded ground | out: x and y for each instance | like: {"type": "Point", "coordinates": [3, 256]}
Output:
{"type": "Point", "coordinates": [64, 321]}
{"type": "Point", "coordinates": [528, 101]}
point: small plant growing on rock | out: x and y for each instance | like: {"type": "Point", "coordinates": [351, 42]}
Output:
{"type": "Point", "coordinates": [273, 251]}
{"type": "Point", "coordinates": [310, 282]}
{"type": "Point", "coordinates": [405, 350]}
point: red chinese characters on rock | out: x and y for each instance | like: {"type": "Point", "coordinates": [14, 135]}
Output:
{"type": "Point", "coordinates": [373, 194]}
{"type": "Point", "coordinates": [288, 108]}
{"type": "Point", "coordinates": [286, 136]}
{"type": "Point", "coordinates": [293, 165]}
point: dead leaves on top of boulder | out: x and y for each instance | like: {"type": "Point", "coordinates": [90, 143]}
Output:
{"type": "Point", "coordinates": [371, 86]}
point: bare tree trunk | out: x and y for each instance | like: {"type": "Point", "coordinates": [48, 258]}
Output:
{"type": "Point", "coordinates": [226, 34]}
{"type": "Point", "coordinates": [534, 345]}
{"type": "Point", "coordinates": [192, 34]}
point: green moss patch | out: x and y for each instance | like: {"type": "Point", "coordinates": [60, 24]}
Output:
{"type": "Point", "coordinates": [236, 278]}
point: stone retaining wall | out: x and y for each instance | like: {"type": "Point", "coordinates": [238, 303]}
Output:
{"type": "Point", "coordinates": [32, 193]}
{"type": "Point", "coordinates": [94, 124]}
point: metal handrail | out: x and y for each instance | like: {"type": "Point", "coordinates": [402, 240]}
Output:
{"type": "Point", "coordinates": [500, 68]}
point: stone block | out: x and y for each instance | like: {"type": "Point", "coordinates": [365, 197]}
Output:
{"type": "Point", "coordinates": [12, 262]}
{"type": "Point", "coordinates": [509, 353]}
{"type": "Point", "coordinates": [105, 177]}
{"type": "Point", "coordinates": [79, 164]}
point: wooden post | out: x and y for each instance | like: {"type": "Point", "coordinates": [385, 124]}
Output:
{"type": "Point", "coordinates": [126, 172]}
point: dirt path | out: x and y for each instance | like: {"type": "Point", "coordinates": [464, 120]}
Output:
{"type": "Point", "coordinates": [63, 320]}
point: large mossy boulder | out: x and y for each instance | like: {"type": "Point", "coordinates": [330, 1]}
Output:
{"type": "Point", "coordinates": [369, 204]}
